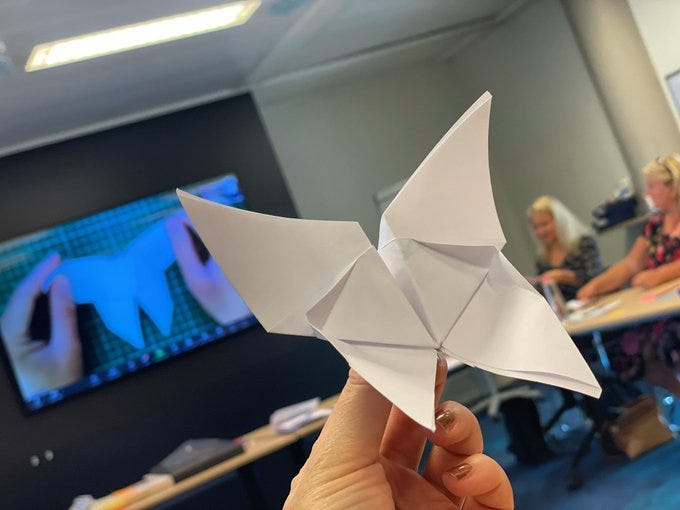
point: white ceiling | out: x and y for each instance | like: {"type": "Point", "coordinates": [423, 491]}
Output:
{"type": "Point", "coordinates": [282, 37]}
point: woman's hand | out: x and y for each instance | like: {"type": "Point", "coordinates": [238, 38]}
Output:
{"type": "Point", "coordinates": [45, 363]}
{"type": "Point", "coordinates": [588, 291]}
{"type": "Point", "coordinates": [367, 455]}
{"type": "Point", "coordinates": [646, 279]}
{"type": "Point", "coordinates": [206, 281]}
{"type": "Point", "coordinates": [565, 276]}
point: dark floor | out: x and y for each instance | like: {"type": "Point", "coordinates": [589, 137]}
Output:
{"type": "Point", "coordinates": [651, 481]}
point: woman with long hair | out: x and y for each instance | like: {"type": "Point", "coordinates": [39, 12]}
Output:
{"type": "Point", "coordinates": [567, 251]}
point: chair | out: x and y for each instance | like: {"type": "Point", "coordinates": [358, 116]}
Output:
{"type": "Point", "coordinates": [600, 412]}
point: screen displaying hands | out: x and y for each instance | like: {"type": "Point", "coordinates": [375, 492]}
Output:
{"type": "Point", "coordinates": [44, 363]}
{"type": "Point", "coordinates": [205, 280]}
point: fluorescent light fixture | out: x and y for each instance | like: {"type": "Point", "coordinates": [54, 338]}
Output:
{"type": "Point", "coordinates": [139, 35]}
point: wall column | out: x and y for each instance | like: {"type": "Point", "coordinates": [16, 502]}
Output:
{"type": "Point", "coordinates": [624, 76]}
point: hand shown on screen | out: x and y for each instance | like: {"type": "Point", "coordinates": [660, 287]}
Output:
{"type": "Point", "coordinates": [205, 281]}
{"type": "Point", "coordinates": [368, 453]}
{"type": "Point", "coordinates": [49, 363]}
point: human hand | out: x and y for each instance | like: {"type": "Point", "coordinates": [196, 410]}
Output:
{"type": "Point", "coordinates": [206, 282]}
{"type": "Point", "coordinates": [44, 363]}
{"type": "Point", "coordinates": [646, 279]}
{"type": "Point", "coordinates": [368, 452]}
{"type": "Point", "coordinates": [588, 291]}
{"type": "Point", "coordinates": [557, 276]}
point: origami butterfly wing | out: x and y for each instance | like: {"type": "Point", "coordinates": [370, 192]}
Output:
{"type": "Point", "coordinates": [440, 232]}
{"type": "Point", "coordinates": [441, 239]}
{"type": "Point", "coordinates": [509, 329]}
{"type": "Point", "coordinates": [324, 278]}
{"type": "Point", "coordinates": [147, 258]}
{"type": "Point", "coordinates": [448, 200]}
{"type": "Point", "coordinates": [106, 283]}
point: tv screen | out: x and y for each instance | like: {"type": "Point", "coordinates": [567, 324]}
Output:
{"type": "Point", "coordinates": [87, 302]}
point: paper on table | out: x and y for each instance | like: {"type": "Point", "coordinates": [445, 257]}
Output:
{"type": "Point", "coordinates": [438, 280]}
{"type": "Point", "coordinates": [590, 312]}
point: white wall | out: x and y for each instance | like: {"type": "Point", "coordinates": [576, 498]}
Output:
{"type": "Point", "coordinates": [341, 137]}
{"type": "Point", "coordinates": [659, 25]}
{"type": "Point", "coordinates": [343, 140]}
{"type": "Point", "coordinates": [550, 133]}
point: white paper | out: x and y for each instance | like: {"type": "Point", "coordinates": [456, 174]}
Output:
{"type": "Point", "coordinates": [438, 281]}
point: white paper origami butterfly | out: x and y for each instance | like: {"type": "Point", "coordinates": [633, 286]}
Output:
{"type": "Point", "coordinates": [119, 285]}
{"type": "Point", "coordinates": [437, 282]}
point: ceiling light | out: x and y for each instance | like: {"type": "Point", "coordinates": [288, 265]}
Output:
{"type": "Point", "coordinates": [138, 35]}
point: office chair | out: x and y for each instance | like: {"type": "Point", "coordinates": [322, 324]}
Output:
{"type": "Point", "coordinates": [600, 412]}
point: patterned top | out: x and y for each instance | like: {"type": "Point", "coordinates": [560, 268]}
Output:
{"type": "Point", "coordinates": [663, 248]}
{"type": "Point", "coordinates": [584, 261]}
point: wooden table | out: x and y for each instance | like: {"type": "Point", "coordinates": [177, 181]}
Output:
{"type": "Point", "coordinates": [257, 444]}
{"type": "Point", "coordinates": [629, 307]}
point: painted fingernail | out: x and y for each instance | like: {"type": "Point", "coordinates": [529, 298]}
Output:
{"type": "Point", "coordinates": [445, 419]}
{"type": "Point", "coordinates": [460, 472]}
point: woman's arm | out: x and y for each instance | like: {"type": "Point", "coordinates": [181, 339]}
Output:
{"type": "Point", "coordinates": [560, 276]}
{"type": "Point", "coordinates": [657, 276]}
{"type": "Point", "coordinates": [618, 274]}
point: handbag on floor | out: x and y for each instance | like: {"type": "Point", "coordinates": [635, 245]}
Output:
{"type": "Point", "coordinates": [640, 428]}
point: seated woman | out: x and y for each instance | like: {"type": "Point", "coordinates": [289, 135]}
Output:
{"type": "Point", "coordinates": [652, 350]}
{"type": "Point", "coordinates": [568, 253]}
{"type": "Point", "coordinates": [569, 256]}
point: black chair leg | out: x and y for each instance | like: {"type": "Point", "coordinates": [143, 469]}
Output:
{"type": "Point", "coordinates": [568, 402]}
{"type": "Point", "coordinates": [574, 477]}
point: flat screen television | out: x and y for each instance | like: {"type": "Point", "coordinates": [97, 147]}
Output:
{"type": "Point", "coordinates": [87, 302]}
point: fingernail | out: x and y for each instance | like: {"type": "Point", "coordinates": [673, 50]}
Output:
{"type": "Point", "coordinates": [460, 472]}
{"type": "Point", "coordinates": [51, 258]}
{"type": "Point", "coordinates": [60, 287]}
{"type": "Point", "coordinates": [445, 419]}
{"type": "Point", "coordinates": [441, 359]}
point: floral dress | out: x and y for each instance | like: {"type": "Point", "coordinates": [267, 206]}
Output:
{"type": "Point", "coordinates": [662, 336]}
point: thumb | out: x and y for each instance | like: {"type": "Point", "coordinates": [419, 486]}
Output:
{"type": "Point", "coordinates": [64, 337]}
{"type": "Point", "coordinates": [17, 315]}
{"type": "Point", "coordinates": [354, 431]}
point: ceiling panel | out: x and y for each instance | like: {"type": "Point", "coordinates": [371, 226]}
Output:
{"type": "Point", "coordinates": [282, 36]}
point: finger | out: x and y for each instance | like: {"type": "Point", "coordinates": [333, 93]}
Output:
{"type": "Point", "coordinates": [34, 280]}
{"type": "Point", "coordinates": [457, 436]}
{"type": "Point", "coordinates": [404, 440]}
{"type": "Point", "coordinates": [64, 336]}
{"type": "Point", "coordinates": [17, 316]}
{"type": "Point", "coordinates": [352, 434]}
{"type": "Point", "coordinates": [189, 264]}
{"type": "Point", "coordinates": [481, 481]}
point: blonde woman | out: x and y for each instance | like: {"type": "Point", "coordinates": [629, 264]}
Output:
{"type": "Point", "coordinates": [651, 350]}
{"type": "Point", "coordinates": [654, 258]}
{"type": "Point", "coordinates": [567, 252]}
